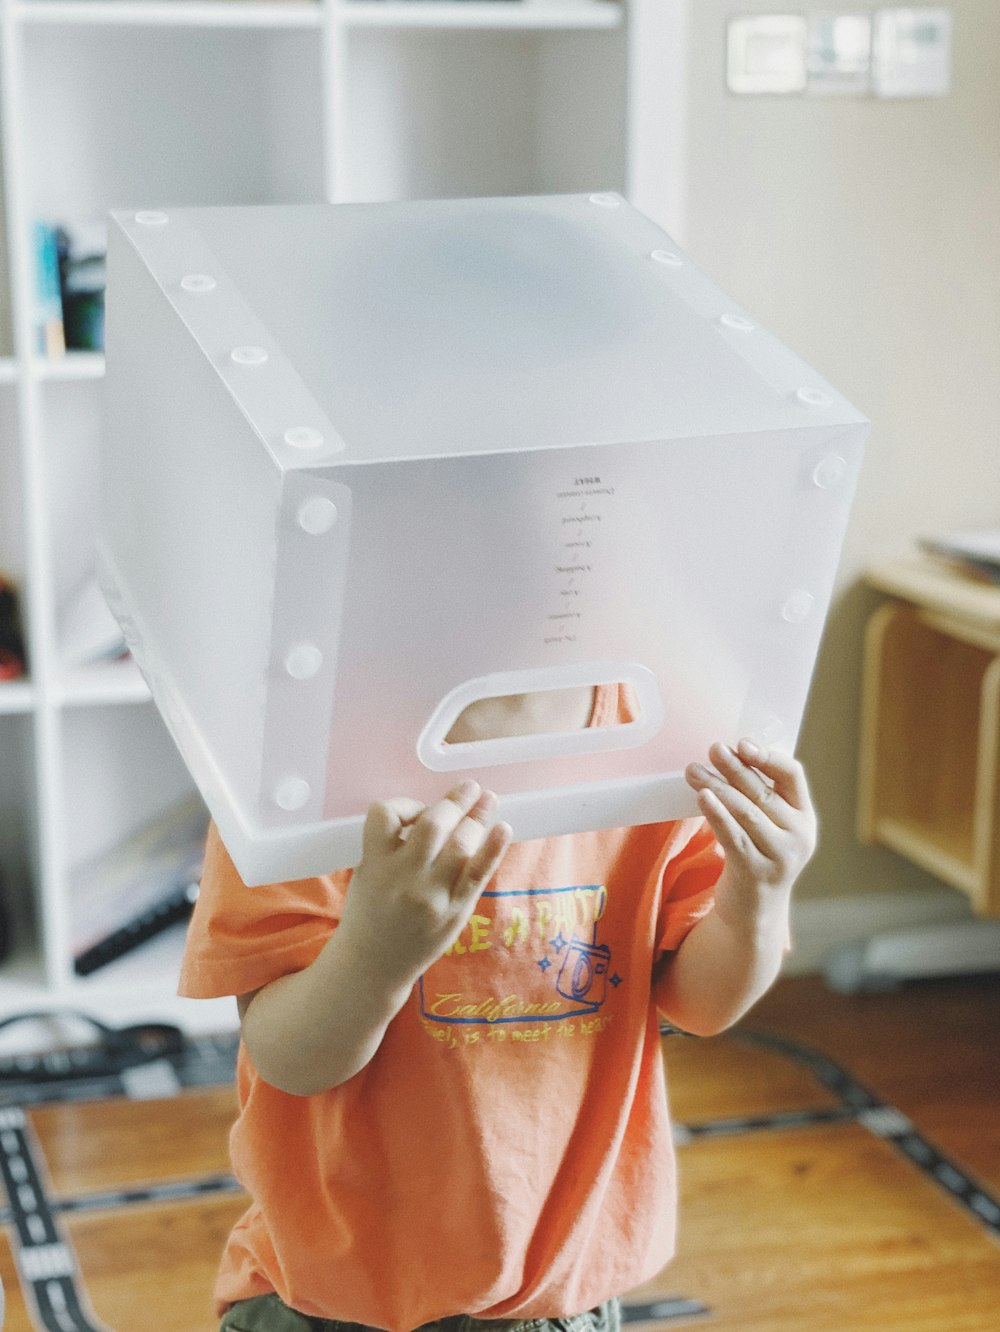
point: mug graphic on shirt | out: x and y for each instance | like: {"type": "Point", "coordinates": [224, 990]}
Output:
{"type": "Point", "coordinates": [536, 958]}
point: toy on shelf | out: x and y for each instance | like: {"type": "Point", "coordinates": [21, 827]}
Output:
{"type": "Point", "coordinates": [12, 656]}
{"type": "Point", "coordinates": [367, 464]}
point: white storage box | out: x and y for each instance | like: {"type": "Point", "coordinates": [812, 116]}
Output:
{"type": "Point", "coordinates": [367, 463]}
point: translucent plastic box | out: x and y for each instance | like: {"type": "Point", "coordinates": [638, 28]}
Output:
{"type": "Point", "coordinates": [368, 463]}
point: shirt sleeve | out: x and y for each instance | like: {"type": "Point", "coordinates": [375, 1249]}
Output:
{"type": "Point", "coordinates": [691, 863]}
{"type": "Point", "coordinates": [241, 938]}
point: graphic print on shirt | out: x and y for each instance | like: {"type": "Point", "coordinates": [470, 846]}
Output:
{"type": "Point", "coordinates": [546, 943]}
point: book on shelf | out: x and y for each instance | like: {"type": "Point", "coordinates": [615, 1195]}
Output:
{"type": "Point", "coordinates": [51, 338]}
{"type": "Point", "coordinates": [70, 269]}
{"type": "Point", "coordinates": [83, 251]}
{"type": "Point", "coordinates": [139, 888]}
{"type": "Point", "coordinates": [975, 554]}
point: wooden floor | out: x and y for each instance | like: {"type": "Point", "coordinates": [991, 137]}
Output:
{"type": "Point", "coordinates": [830, 1228]}
{"type": "Point", "coordinates": [800, 1210]}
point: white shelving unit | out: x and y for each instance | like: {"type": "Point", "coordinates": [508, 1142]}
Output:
{"type": "Point", "coordinates": [122, 103]}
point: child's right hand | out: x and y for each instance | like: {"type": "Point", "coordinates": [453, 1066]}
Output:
{"type": "Point", "coordinates": [409, 898]}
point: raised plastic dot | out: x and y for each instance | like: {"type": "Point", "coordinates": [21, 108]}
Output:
{"type": "Point", "coordinates": [830, 471]}
{"type": "Point", "coordinates": [736, 322]}
{"type": "Point", "coordinates": [771, 730]}
{"type": "Point", "coordinates": [317, 515]}
{"type": "Point", "coordinates": [149, 217]}
{"type": "Point", "coordinates": [814, 397]}
{"type": "Point", "coordinates": [303, 437]}
{"type": "Point", "coordinates": [292, 793]}
{"type": "Point", "coordinates": [249, 355]}
{"type": "Point", "coordinates": [303, 661]}
{"type": "Point", "coordinates": [666, 257]}
{"type": "Point", "coordinates": [761, 724]}
{"type": "Point", "coordinates": [605, 200]}
{"type": "Point", "coordinates": [198, 282]}
{"type": "Point", "coordinates": [797, 607]}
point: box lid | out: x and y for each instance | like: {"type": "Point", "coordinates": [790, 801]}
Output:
{"type": "Point", "coordinates": [357, 333]}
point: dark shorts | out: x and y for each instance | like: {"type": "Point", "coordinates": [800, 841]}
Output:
{"type": "Point", "coordinates": [266, 1313]}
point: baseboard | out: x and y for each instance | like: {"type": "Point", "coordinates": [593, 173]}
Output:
{"type": "Point", "coordinates": [820, 926]}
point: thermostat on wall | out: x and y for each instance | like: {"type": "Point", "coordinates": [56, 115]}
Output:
{"type": "Point", "coordinates": [912, 52]}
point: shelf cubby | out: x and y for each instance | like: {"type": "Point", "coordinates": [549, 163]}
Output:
{"type": "Point", "coordinates": [214, 117]}
{"type": "Point", "coordinates": [489, 112]}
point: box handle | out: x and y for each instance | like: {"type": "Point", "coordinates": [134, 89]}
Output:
{"type": "Point", "coordinates": [439, 756]}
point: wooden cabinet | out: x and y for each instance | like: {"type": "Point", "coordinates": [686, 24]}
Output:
{"type": "Point", "coordinates": [929, 784]}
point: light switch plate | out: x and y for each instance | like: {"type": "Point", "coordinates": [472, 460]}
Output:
{"type": "Point", "coordinates": [766, 53]}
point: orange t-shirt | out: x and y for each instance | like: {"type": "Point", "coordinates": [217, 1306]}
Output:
{"type": "Point", "coordinates": [507, 1151]}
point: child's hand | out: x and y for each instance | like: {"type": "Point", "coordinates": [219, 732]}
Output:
{"type": "Point", "coordinates": [758, 806]}
{"type": "Point", "coordinates": [409, 899]}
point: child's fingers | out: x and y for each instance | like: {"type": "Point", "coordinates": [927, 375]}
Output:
{"type": "Point", "coordinates": [481, 867]}
{"type": "Point", "coordinates": [734, 839]}
{"type": "Point", "coordinates": [437, 822]}
{"type": "Point", "coordinates": [467, 837]}
{"type": "Point", "coordinates": [385, 821]}
{"type": "Point", "coordinates": [762, 833]}
{"type": "Point", "coordinates": [785, 772]}
{"type": "Point", "coordinates": [753, 785]}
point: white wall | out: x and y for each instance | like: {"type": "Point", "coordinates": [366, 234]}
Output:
{"type": "Point", "coordinates": [866, 234]}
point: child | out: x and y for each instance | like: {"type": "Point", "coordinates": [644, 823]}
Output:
{"type": "Point", "coordinates": [450, 1078]}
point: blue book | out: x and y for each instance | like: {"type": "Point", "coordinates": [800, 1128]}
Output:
{"type": "Point", "coordinates": [50, 339]}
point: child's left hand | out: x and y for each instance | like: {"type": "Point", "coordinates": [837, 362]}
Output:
{"type": "Point", "coordinates": [757, 803]}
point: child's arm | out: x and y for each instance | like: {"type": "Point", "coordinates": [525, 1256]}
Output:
{"type": "Point", "coordinates": [759, 808]}
{"type": "Point", "coordinates": [406, 905]}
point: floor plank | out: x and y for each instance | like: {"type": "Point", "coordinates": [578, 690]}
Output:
{"type": "Point", "coordinates": [163, 1277]}
{"type": "Point", "coordinates": [932, 1049]}
{"type": "Point", "coordinates": [96, 1145]}
{"type": "Point", "coordinates": [16, 1318]}
{"type": "Point", "coordinates": [825, 1230]}
{"type": "Point", "coordinates": [719, 1079]}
